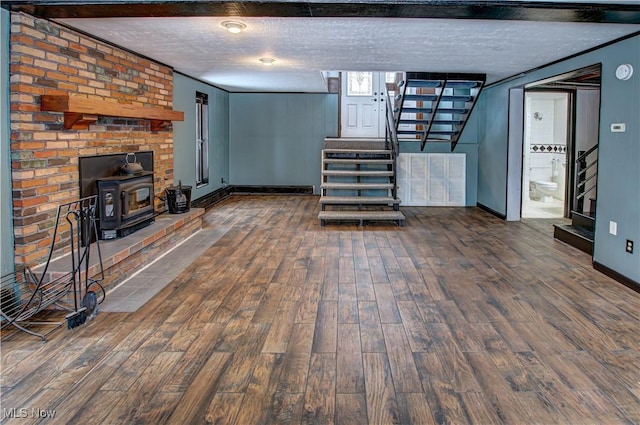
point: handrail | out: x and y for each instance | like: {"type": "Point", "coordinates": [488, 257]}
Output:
{"type": "Point", "coordinates": [392, 132]}
{"type": "Point", "coordinates": [581, 189]}
{"type": "Point", "coordinates": [586, 154]}
{"type": "Point", "coordinates": [587, 167]}
{"type": "Point", "coordinates": [583, 182]}
{"type": "Point", "coordinates": [584, 193]}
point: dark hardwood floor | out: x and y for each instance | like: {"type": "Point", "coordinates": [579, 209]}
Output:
{"type": "Point", "coordinates": [458, 317]}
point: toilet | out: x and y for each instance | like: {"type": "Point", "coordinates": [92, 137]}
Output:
{"type": "Point", "coordinates": [542, 191]}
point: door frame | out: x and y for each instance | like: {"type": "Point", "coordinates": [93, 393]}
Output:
{"type": "Point", "coordinates": [515, 143]}
{"type": "Point", "coordinates": [379, 93]}
{"type": "Point", "coordinates": [569, 170]}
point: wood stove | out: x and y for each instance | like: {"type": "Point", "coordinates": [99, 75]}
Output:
{"type": "Point", "coordinates": [125, 202]}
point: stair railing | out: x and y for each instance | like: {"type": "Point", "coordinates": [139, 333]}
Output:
{"type": "Point", "coordinates": [391, 139]}
{"type": "Point", "coordinates": [585, 182]}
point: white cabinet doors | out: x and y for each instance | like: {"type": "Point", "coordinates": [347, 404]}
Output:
{"type": "Point", "coordinates": [432, 179]}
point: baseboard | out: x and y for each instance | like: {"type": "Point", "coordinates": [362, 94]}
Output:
{"type": "Point", "coordinates": [630, 283]}
{"type": "Point", "coordinates": [491, 211]}
{"type": "Point", "coordinates": [212, 198]}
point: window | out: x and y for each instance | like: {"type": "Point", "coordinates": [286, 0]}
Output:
{"type": "Point", "coordinates": [360, 84]}
{"type": "Point", "coordinates": [202, 139]}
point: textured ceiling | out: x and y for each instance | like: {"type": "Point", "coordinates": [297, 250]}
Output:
{"type": "Point", "coordinates": [304, 47]}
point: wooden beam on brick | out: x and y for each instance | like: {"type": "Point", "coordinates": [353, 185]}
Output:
{"type": "Point", "coordinates": [79, 111]}
{"type": "Point", "coordinates": [158, 125]}
{"type": "Point", "coordinates": [77, 121]}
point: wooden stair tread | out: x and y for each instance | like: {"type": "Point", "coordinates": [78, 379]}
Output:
{"type": "Point", "coordinates": [355, 173]}
{"type": "Point", "coordinates": [355, 200]}
{"type": "Point", "coordinates": [360, 215]}
{"type": "Point", "coordinates": [357, 186]}
{"type": "Point", "coordinates": [355, 139]}
{"type": "Point", "coordinates": [356, 161]}
{"type": "Point", "coordinates": [354, 143]}
{"type": "Point", "coordinates": [359, 151]}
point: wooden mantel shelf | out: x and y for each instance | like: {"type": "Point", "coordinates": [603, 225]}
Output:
{"type": "Point", "coordinates": [80, 112]}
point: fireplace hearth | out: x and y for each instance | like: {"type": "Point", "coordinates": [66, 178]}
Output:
{"type": "Point", "coordinates": [125, 201]}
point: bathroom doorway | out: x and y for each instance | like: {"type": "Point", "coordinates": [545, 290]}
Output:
{"type": "Point", "coordinates": [546, 143]}
{"type": "Point", "coordinates": [548, 147]}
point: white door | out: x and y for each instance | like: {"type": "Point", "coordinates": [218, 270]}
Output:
{"type": "Point", "coordinates": [362, 104]}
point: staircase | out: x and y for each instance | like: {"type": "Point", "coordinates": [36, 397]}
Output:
{"type": "Point", "coordinates": [433, 107]}
{"type": "Point", "coordinates": [358, 182]}
{"type": "Point", "coordinates": [580, 233]}
{"type": "Point", "coordinates": [359, 175]}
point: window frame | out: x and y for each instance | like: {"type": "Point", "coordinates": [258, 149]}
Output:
{"type": "Point", "coordinates": [202, 139]}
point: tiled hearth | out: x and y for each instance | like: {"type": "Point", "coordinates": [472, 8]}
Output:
{"type": "Point", "coordinates": [124, 256]}
{"type": "Point", "coordinates": [142, 285]}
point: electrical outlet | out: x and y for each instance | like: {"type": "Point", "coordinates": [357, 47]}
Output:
{"type": "Point", "coordinates": [629, 246]}
{"type": "Point", "coordinates": [613, 228]}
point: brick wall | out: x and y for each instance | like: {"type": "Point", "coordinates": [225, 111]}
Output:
{"type": "Point", "coordinates": [49, 59]}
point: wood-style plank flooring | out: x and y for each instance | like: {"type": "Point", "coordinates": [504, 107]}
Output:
{"type": "Point", "coordinates": [458, 317]}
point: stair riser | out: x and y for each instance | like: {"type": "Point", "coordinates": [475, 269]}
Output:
{"type": "Point", "coordinates": [576, 241]}
{"type": "Point", "coordinates": [583, 221]}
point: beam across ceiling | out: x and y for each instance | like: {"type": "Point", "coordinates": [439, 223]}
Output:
{"type": "Point", "coordinates": [624, 13]}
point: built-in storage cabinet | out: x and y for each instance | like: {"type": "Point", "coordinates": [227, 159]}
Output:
{"type": "Point", "coordinates": [80, 112]}
{"type": "Point", "coordinates": [432, 179]}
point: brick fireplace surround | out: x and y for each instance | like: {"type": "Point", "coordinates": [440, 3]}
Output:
{"type": "Point", "coordinates": [48, 59]}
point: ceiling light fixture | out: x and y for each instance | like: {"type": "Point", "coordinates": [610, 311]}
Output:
{"type": "Point", "coordinates": [233, 26]}
{"type": "Point", "coordinates": [267, 61]}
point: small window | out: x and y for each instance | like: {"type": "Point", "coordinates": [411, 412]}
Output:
{"type": "Point", "coordinates": [360, 84]}
{"type": "Point", "coordinates": [202, 139]}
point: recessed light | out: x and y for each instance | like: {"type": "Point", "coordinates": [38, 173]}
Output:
{"type": "Point", "coordinates": [267, 61]}
{"type": "Point", "coordinates": [234, 27]}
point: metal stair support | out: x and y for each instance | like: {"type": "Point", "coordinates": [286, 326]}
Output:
{"type": "Point", "coordinates": [433, 107]}
{"type": "Point", "coordinates": [358, 182]}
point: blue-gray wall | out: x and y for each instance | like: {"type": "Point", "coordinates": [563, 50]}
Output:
{"type": "Point", "coordinates": [276, 139]}
{"type": "Point", "coordinates": [184, 135]}
{"type": "Point", "coordinates": [618, 156]}
{"type": "Point", "coordinates": [6, 216]}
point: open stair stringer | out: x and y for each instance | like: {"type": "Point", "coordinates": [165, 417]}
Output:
{"type": "Point", "coordinates": [433, 107]}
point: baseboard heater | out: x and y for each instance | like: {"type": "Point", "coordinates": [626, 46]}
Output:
{"type": "Point", "coordinates": [222, 193]}
{"type": "Point", "coordinates": [275, 190]}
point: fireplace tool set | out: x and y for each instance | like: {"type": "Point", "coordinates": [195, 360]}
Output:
{"type": "Point", "coordinates": [22, 295]}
